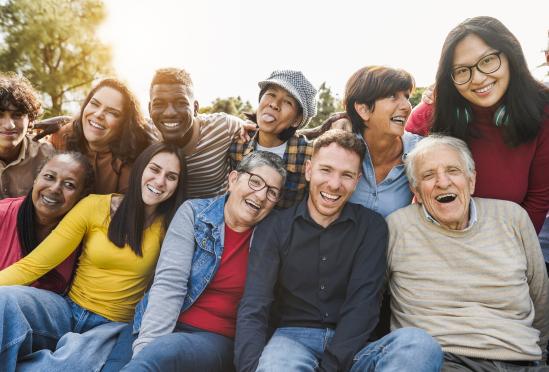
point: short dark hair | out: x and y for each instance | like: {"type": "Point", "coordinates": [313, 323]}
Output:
{"type": "Point", "coordinates": [17, 91]}
{"type": "Point", "coordinates": [371, 83]}
{"type": "Point", "coordinates": [133, 136]}
{"type": "Point", "coordinates": [172, 75]}
{"type": "Point", "coordinates": [346, 140]}
{"type": "Point", "coordinates": [128, 222]}
{"type": "Point", "coordinates": [524, 99]}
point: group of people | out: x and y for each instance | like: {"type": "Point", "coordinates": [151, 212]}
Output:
{"type": "Point", "coordinates": [388, 239]}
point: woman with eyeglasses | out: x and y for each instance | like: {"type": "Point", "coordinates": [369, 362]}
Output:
{"type": "Point", "coordinates": [486, 96]}
{"type": "Point", "coordinates": [187, 321]}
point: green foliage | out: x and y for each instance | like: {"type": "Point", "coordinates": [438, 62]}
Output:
{"type": "Point", "coordinates": [415, 98]}
{"type": "Point", "coordinates": [53, 44]}
{"type": "Point", "coordinates": [232, 105]}
{"type": "Point", "coordinates": [327, 105]}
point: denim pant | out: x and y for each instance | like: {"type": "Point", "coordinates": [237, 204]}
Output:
{"type": "Point", "coordinates": [299, 349]}
{"type": "Point", "coordinates": [187, 349]}
{"type": "Point", "coordinates": [33, 319]}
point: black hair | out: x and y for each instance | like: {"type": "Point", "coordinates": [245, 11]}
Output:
{"type": "Point", "coordinates": [17, 91]}
{"type": "Point", "coordinates": [128, 222]}
{"type": "Point", "coordinates": [524, 100]}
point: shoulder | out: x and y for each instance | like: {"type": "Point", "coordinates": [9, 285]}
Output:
{"type": "Point", "coordinates": [410, 140]}
{"type": "Point", "coordinates": [505, 210]}
{"type": "Point", "coordinates": [408, 213]}
{"type": "Point", "coordinates": [365, 215]}
{"type": "Point", "coordinates": [219, 119]}
{"type": "Point", "coordinates": [10, 206]}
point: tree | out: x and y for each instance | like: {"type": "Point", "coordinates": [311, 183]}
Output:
{"type": "Point", "coordinates": [415, 98]}
{"type": "Point", "coordinates": [327, 105]}
{"type": "Point", "coordinates": [232, 105]}
{"type": "Point", "coordinates": [53, 44]}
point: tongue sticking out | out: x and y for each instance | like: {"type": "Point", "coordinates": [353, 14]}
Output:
{"type": "Point", "coordinates": [267, 118]}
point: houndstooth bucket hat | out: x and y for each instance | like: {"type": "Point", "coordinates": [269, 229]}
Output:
{"type": "Point", "coordinates": [298, 86]}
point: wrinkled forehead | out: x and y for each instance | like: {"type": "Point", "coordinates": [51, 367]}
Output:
{"type": "Point", "coordinates": [439, 156]}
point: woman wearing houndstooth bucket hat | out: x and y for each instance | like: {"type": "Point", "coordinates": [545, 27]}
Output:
{"type": "Point", "coordinates": [287, 102]}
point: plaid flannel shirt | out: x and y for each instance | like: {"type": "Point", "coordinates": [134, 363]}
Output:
{"type": "Point", "coordinates": [298, 149]}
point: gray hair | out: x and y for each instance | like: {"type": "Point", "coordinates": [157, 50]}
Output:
{"type": "Point", "coordinates": [260, 158]}
{"type": "Point", "coordinates": [429, 143]}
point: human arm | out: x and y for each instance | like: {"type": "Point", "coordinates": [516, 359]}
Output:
{"type": "Point", "coordinates": [536, 201]}
{"type": "Point", "coordinates": [253, 312]}
{"type": "Point", "coordinates": [170, 281]}
{"type": "Point", "coordinates": [359, 313]}
{"type": "Point", "coordinates": [536, 275]}
{"type": "Point", "coordinates": [53, 250]}
{"type": "Point", "coordinates": [420, 120]}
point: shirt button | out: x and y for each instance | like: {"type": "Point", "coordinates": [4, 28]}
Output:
{"type": "Point", "coordinates": [324, 258]}
{"type": "Point", "coordinates": [326, 314]}
{"type": "Point", "coordinates": [322, 287]}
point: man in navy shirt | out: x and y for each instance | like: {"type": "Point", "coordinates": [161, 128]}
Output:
{"type": "Point", "coordinates": [316, 274]}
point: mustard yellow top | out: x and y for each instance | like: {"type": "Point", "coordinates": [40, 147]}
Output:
{"type": "Point", "coordinates": [109, 280]}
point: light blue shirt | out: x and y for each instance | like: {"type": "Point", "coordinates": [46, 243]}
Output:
{"type": "Point", "coordinates": [393, 192]}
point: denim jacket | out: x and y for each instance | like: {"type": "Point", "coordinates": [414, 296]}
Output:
{"type": "Point", "coordinates": [209, 229]}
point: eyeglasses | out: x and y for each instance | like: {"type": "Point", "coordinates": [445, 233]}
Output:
{"type": "Point", "coordinates": [257, 183]}
{"type": "Point", "coordinates": [487, 65]}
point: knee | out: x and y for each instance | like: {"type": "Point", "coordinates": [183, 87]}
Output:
{"type": "Point", "coordinates": [417, 342]}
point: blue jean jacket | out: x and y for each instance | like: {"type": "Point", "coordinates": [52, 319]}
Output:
{"type": "Point", "coordinates": [209, 230]}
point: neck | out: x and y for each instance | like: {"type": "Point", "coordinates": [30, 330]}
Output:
{"type": "Point", "coordinates": [190, 139]}
{"type": "Point", "coordinates": [98, 148]}
{"type": "Point", "coordinates": [8, 155]}
{"type": "Point", "coordinates": [319, 218]}
{"type": "Point", "coordinates": [44, 226]}
{"type": "Point", "coordinates": [269, 140]}
{"type": "Point", "coordinates": [383, 148]}
{"type": "Point", "coordinates": [231, 223]}
{"type": "Point", "coordinates": [150, 214]}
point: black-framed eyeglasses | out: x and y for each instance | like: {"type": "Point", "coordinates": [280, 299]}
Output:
{"type": "Point", "coordinates": [488, 64]}
{"type": "Point", "coordinates": [257, 183]}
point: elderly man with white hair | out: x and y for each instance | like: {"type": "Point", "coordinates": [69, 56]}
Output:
{"type": "Point", "coordinates": [467, 270]}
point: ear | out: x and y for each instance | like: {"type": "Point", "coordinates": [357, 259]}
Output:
{"type": "Point", "coordinates": [196, 107]}
{"type": "Point", "coordinates": [149, 107]}
{"type": "Point", "coordinates": [233, 177]}
{"type": "Point", "coordinates": [417, 196]}
{"type": "Point", "coordinates": [363, 111]}
{"type": "Point", "coordinates": [473, 182]}
{"type": "Point", "coordinates": [308, 170]}
{"type": "Point", "coordinates": [298, 120]}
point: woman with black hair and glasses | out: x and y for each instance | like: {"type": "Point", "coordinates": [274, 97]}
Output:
{"type": "Point", "coordinates": [486, 96]}
{"type": "Point", "coordinates": [120, 237]}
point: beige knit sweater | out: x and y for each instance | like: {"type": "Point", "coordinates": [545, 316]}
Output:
{"type": "Point", "coordinates": [480, 292]}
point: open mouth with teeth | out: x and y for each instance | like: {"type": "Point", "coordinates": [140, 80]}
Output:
{"type": "Point", "coordinates": [253, 205]}
{"type": "Point", "coordinates": [484, 89]}
{"type": "Point", "coordinates": [446, 198]}
{"type": "Point", "coordinates": [329, 197]}
{"type": "Point", "coordinates": [49, 200]}
{"type": "Point", "coordinates": [96, 125]}
{"type": "Point", "coordinates": [171, 125]}
{"type": "Point", "coordinates": [400, 120]}
{"type": "Point", "coordinates": [154, 190]}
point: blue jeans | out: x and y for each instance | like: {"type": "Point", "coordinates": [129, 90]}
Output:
{"type": "Point", "coordinates": [33, 319]}
{"type": "Point", "coordinates": [300, 349]}
{"type": "Point", "coordinates": [187, 349]}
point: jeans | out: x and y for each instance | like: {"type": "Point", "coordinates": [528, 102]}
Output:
{"type": "Point", "coordinates": [33, 319]}
{"type": "Point", "coordinates": [300, 349]}
{"type": "Point", "coordinates": [187, 349]}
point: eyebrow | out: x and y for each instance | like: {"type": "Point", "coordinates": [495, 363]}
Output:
{"type": "Point", "coordinates": [170, 172]}
{"type": "Point", "coordinates": [108, 107]}
{"type": "Point", "coordinates": [486, 53]}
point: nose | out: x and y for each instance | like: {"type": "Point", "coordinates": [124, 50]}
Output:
{"type": "Point", "coordinates": [170, 110]}
{"type": "Point", "coordinates": [56, 187]}
{"type": "Point", "coordinates": [262, 194]}
{"type": "Point", "coordinates": [477, 76]}
{"type": "Point", "coordinates": [443, 181]}
{"type": "Point", "coordinates": [405, 105]}
{"type": "Point", "coordinates": [334, 182]}
{"type": "Point", "coordinates": [274, 105]}
{"type": "Point", "coordinates": [6, 121]}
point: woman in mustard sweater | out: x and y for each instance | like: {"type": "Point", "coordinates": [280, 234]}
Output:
{"type": "Point", "coordinates": [121, 238]}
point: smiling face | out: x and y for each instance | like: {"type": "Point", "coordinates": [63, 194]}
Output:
{"type": "Point", "coordinates": [333, 173]}
{"type": "Point", "coordinates": [246, 207]}
{"type": "Point", "coordinates": [57, 188]}
{"type": "Point", "coordinates": [172, 109]}
{"type": "Point", "coordinates": [13, 127]}
{"type": "Point", "coordinates": [484, 90]}
{"type": "Point", "coordinates": [389, 114]}
{"type": "Point", "coordinates": [102, 118]}
{"type": "Point", "coordinates": [444, 187]}
{"type": "Point", "coordinates": [277, 110]}
{"type": "Point", "coordinates": [159, 180]}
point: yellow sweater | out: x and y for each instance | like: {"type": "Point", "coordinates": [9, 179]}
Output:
{"type": "Point", "coordinates": [109, 280]}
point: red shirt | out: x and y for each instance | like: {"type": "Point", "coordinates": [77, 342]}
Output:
{"type": "Point", "coordinates": [10, 249]}
{"type": "Point", "coordinates": [519, 174]}
{"type": "Point", "coordinates": [215, 309]}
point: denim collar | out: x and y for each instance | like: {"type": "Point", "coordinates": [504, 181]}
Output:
{"type": "Point", "coordinates": [213, 214]}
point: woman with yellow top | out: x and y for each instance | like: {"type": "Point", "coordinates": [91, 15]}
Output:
{"type": "Point", "coordinates": [121, 238]}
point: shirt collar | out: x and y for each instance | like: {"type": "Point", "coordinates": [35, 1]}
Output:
{"type": "Point", "coordinates": [472, 215]}
{"type": "Point", "coordinates": [302, 211]}
{"type": "Point", "coordinates": [23, 152]}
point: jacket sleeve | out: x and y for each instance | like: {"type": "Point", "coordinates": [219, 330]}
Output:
{"type": "Point", "coordinates": [170, 281]}
{"type": "Point", "coordinates": [359, 313]}
{"type": "Point", "coordinates": [254, 309]}
{"type": "Point", "coordinates": [57, 246]}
